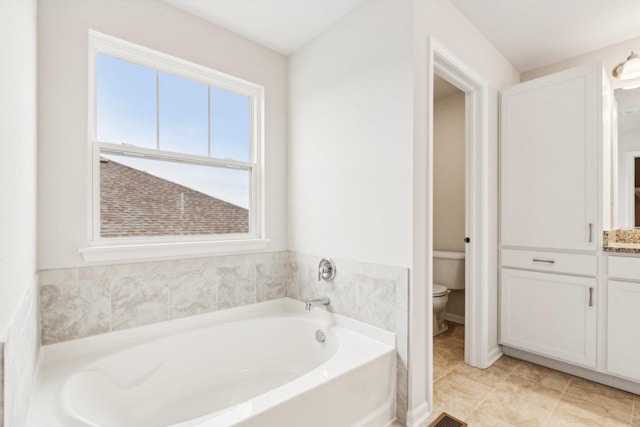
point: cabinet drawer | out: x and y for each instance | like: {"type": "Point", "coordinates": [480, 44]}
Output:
{"type": "Point", "coordinates": [584, 265]}
{"type": "Point", "coordinates": [624, 268]}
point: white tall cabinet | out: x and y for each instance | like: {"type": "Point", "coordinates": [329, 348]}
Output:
{"type": "Point", "coordinates": [549, 161]}
{"type": "Point", "coordinates": [550, 224]}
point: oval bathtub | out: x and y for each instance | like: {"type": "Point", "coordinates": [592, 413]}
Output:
{"type": "Point", "coordinates": [258, 365]}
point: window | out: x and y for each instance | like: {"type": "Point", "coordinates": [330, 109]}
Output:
{"type": "Point", "coordinates": [175, 155]}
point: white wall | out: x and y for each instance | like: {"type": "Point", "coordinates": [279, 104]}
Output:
{"type": "Point", "coordinates": [350, 133]}
{"type": "Point", "coordinates": [63, 53]}
{"type": "Point", "coordinates": [18, 87]}
{"type": "Point", "coordinates": [610, 56]}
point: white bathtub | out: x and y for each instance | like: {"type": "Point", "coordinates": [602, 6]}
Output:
{"type": "Point", "coordinates": [258, 365]}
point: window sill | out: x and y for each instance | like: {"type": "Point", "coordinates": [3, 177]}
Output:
{"type": "Point", "coordinates": [169, 250]}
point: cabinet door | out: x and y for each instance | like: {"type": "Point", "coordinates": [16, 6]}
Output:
{"type": "Point", "coordinates": [549, 314]}
{"type": "Point", "coordinates": [623, 329]}
{"type": "Point", "coordinates": [550, 133]}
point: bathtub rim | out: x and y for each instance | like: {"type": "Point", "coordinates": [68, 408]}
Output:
{"type": "Point", "coordinates": [58, 360]}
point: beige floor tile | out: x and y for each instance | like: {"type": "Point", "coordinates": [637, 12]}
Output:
{"type": "Point", "coordinates": [521, 402]}
{"type": "Point", "coordinates": [506, 363]}
{"type": "Point", "coordinates": [453, 337]}
{"type": "Point", "coordinates": [543, 376]}
{"type": "Point", "coordinates": [602, 395]}
{"type": "Point", "coordinates": [397, 424]}
{"type": "Point", "coordinates": [572, 411]}
{"type": "Point", "coordinates": [458, 395]}
{"type": "Point", "coordinates": [452, 344]}
{"type": "Point", "coordinates": [491, 376]}
{"type": "Point", "coordinates": [445, 359]}
{"type": "Point", "coordinates": [603, 409]}
{"type": "Point", "coordinates": [483, 418]}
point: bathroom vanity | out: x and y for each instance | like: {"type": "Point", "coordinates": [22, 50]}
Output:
{"type": "Point", "coordinates": [565, 302]}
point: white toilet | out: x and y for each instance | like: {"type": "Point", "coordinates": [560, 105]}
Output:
{"type": "Point", "coordinates": [448, 275]}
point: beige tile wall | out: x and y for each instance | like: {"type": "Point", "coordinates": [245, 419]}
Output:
{"type": "Point", "coordinates": [80, 302]}
{"type": "Point", "coordinates": [372, 293]}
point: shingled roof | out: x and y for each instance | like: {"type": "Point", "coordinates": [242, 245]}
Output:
{"type": "Point", "coordinates": [135, 203]}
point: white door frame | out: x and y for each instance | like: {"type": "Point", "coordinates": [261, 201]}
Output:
{"type": "Point", "coordinates": [479, 351]}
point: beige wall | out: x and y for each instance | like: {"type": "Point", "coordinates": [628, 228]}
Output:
{"type": "Point", "coordinates": [449, 183]}
{"type": "Point", "coordinates": [63, 68]}
{"type": "Point", "coordinates": [449, 173]}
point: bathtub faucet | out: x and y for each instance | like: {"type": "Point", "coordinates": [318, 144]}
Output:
{"type": "Point", "coordinates": [316, 302]}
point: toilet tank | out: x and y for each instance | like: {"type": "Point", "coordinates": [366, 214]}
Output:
{"type": "Point", "coordinates": [448, 269]}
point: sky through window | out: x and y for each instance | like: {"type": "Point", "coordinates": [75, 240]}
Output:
{"type": "Point", "coordinates": [145, 108]}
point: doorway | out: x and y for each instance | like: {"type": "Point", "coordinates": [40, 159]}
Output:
{"type": "Point", "coordinates": [481, 340]}
{"type": "Point", "coordinates": [449, 226]}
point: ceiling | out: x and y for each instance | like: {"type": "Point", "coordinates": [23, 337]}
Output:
{"type": "Point", "coordinates": [281, 25]}
{"type": "Point", "coordinates": [534, 33]}
{"type": "Point", "coordinates": [529, 33]}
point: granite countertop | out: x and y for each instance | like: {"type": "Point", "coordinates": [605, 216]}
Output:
{"type": "Point", "coordinates": [622, 241]}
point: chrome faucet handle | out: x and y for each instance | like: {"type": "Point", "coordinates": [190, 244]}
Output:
{"type": "Point", "coordinates": [326, 269]}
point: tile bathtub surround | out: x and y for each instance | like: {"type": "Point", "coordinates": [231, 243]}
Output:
{"type": "Point", "coordinates": [372, 293]}
{"type": "Point", "coordinates": [19, 357]}
{"type": "Point", "coordinates": [80, 302]}
{"type": "Point", "coordinates": [514, 392]}
{"type": "Point", "coordinates": [85, 301]}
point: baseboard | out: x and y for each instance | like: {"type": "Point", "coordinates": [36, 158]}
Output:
{"type": "Point", "coordinates": [419, 415]}
{"type": "Point", "coordinates": [455, 318]}
{"type": "Point", "coordinates": [493, 356]}
{"type": "Point", "coordinates": [585, 373]}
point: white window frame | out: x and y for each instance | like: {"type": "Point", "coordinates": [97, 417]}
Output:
{"type": "Point", "coordinates": [131, 248]}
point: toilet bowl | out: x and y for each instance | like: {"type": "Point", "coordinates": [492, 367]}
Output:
{"type": "Point", "coordinates": [440, 298]}
{"type": "Point", "coordinates": [448, 275]}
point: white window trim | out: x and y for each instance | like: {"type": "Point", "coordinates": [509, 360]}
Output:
{"type": "Point", "coordinates": [114, 249]}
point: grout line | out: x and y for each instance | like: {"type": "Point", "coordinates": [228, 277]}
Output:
{"type": "Point", "coordinates": [492, 390]}
{"type": "Point", "coordinates": [633, 409]}
{"type": "Point", "coordinates": [558, 402]}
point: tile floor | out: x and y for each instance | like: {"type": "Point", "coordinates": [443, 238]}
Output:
{"type": "Point", "coordinates": [518, 393]}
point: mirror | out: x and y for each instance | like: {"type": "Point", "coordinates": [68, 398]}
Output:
{"type": "Point", "coordinates": [626, 159]}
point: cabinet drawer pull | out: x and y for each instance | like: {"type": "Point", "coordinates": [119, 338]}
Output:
{"type": "Point", "coordinates": [547, 261]}
{"type": "Point", "coordinates": [590, 232]}
{"type": "Point", "coordinates": [590, 297]}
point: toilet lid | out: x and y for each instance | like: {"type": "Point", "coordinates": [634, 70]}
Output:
{"type": "Point", "coordinates": [439, 290]}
